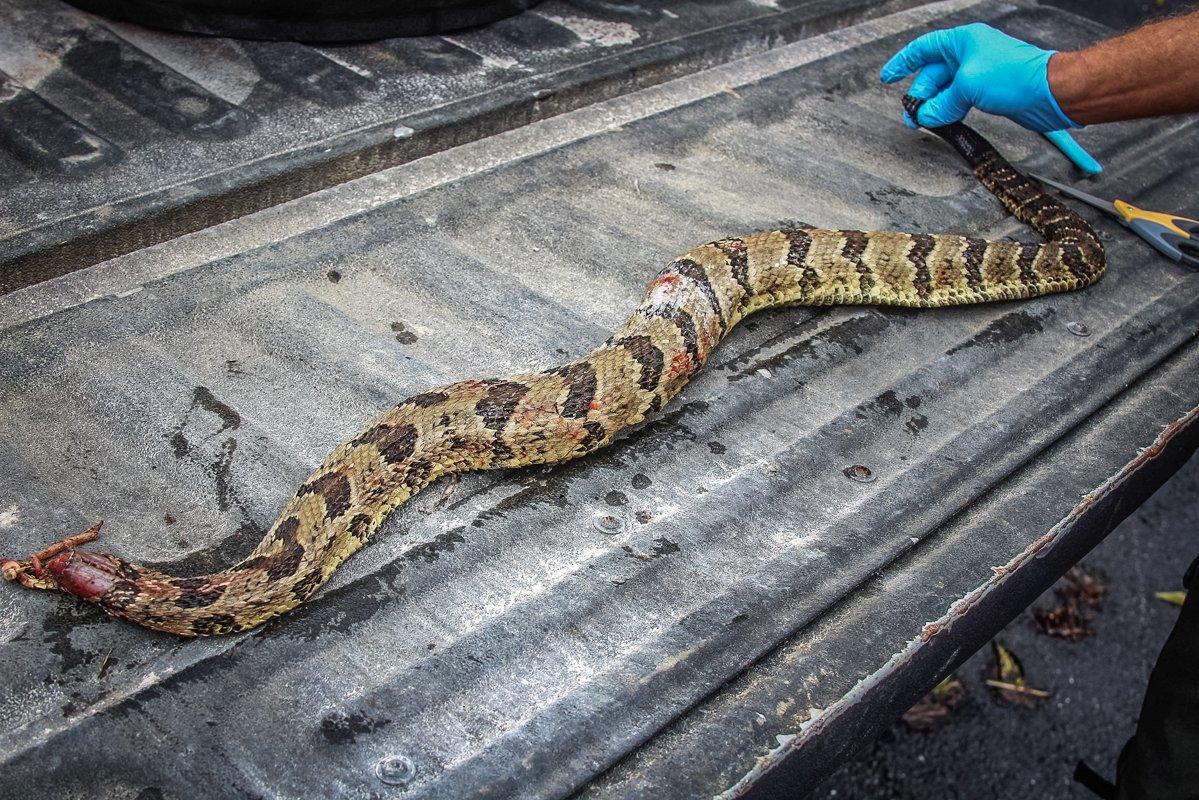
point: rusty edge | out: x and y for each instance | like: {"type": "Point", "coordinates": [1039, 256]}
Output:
{"type": "Point", "coordinates": [1101, 510]}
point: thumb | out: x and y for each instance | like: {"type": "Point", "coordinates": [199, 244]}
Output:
{"type": "Point", "coordinates": [948, 106]}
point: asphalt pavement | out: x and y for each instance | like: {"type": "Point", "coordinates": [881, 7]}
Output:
{"type": "Point", "coordinates": [987, 746]}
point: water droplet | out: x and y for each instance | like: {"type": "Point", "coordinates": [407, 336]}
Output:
{"type": "Point", "coordinates": [859, 473]}
{"type": "Point", "coordinates": [1078, 328]}
{"type": "Point", "coordinates": [395, 770]}
{"type": "Point", "coordinates": [608, 524]}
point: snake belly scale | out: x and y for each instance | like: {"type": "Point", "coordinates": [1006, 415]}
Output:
{"type": "Point", "coordinates": [570, 410]}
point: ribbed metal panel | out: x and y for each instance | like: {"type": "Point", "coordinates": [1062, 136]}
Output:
{"type": "Point", "coordinates": [160, 134]}
{"type": "Point", "coordinates": [517, 634]}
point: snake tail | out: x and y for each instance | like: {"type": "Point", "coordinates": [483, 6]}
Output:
{"type": "Point", "coordinates": [567, 411]}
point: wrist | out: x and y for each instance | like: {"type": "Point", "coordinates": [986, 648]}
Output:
{"type": "Point", "coordinates": [1067, 78]}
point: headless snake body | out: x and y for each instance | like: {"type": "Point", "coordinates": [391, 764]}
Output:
{"type": "Point", "coordinates": [571, 410]}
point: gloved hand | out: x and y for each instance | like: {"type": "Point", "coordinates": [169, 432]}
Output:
{"type": "Point", "coordinates": [977, 66]}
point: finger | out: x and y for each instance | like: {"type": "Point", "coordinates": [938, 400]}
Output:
{"type": "Point", "coordinates": [1074, 151]}
{"type": "Point", "coordinates": [950, 105]}
{"type": "Point", "coordinates": [932, 79]}
{"type": "Point", "coordinates": [932, 46]}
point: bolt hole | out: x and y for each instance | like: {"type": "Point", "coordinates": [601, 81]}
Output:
{"type": "Point", "coordinates": [395, 770]}
{"type": "Point", "coordinates": [859, 473]}
{"type": "Point", "coordinates": [608, 524]}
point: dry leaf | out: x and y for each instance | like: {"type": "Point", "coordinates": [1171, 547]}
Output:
{"type": "Point", "coordinates": [1081, 592]}
{"type": "Point", "coordinates": [933, 709]}
{"type": "Point", "coordinates": [1008, 679]}
{"type": "Point", "coordinates": [1173, 598]}
{"type": "Point", "coordinates": [1007, 665]}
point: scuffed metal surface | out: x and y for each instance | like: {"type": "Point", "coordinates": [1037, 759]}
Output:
{"type": "Point", "coordinates": [609, 627]}
{"type": "Point", "coordinates": [859, 711]}
{"type": "Point", "coordinates": [158, 134]}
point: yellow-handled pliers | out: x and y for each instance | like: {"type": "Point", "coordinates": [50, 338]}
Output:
{"type": "Point", "coordinates": [1173, 236]}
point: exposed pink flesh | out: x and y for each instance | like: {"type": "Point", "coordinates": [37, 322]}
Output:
{"type": "Point", "coordinates": [84, 574]}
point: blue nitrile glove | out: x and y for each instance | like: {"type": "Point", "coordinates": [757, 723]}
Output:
{"type": "Point", "coordinates": [977, 66]}
{"type": "Point", "coordinates": [1074, 151]}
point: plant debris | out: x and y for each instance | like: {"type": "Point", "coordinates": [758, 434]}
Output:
{"type": "Point", "coordinates": [1173, 598]}
{"type": "Point", "coordinates": [932, 710]}
{"type": "Point", "coordinates": [1081, 592]}
{"type": "Point", "coordinates": [104, 664]}
{"type": "Point", "coordinates": [1016, 688]}
{"type": "Point", "coordinates": [1007, 680]}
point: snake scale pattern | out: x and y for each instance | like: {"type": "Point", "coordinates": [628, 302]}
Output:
{"type": "Point", "coordinates": [570, 410]}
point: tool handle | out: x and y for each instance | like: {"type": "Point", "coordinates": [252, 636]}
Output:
{"type": "Point", "coordinates": [1190, 252]}
{"type": "Point", "coordinates": [1165, 241]}
{"type": "Point", "coordinates": [1191, 226]}
{"type": "Point", "coordinates": [1182, 226]}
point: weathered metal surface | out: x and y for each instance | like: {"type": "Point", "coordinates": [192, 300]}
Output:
{"type": "Point", "coordinates": [122, 137]}
{"type": "Point", "coordinates": [778, 728]}
{"type": "Point", "coordinates": [613, 626]}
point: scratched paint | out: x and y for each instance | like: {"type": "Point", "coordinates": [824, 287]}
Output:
{"type": "Point", "coordinates": [536, 618]}
{"type": "Point", "coordinates": [599, 32]}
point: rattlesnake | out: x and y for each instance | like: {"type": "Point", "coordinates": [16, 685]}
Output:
{"type": "Point", "coordinates": [567, 411]}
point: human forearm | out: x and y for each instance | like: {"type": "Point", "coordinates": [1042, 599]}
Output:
{"type": "Point", "coordinates": [1149, 72]}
